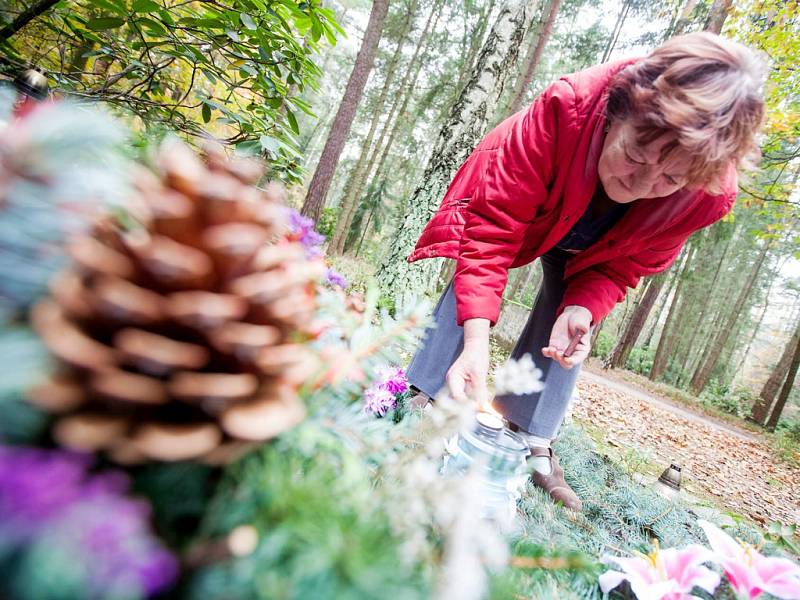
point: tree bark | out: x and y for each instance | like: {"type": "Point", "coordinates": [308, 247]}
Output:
{"type": "Point", "coordinates": [690, 354]}
{"type": "Point", "coordinates": [762, 406]}
{"type": "Point", "coordinates": [685, 20]}
{"type": "Point", "coordinates": [318, 188]}
{"type": "Point", "coordinates": [667, 339]}
{"type": "Point", "coordinates": [707, 365]}
{"type": "Point", "coordinates": [612, 41]}
{"type": "Point", "coordinates": [533, 57]}
{"type": "Point", "coordinates": [410, 76]}
{"type": "Point", "coordinates": [26, 16]}
{"type": "Point", "coordinates": [717, 15]}
{"type": "Point", "coordinates": [786, 389]}
{"type": "Point", "coordinates": [457, 138]}
{"type": "Point", "coordinates": [622, 349]}
{"type": "Point", "coordinates": [349, 201]}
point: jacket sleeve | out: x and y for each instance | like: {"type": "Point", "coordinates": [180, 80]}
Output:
{"type": "Point", "coordinates": [506, 200]}
{"type": "Point", "coordinates": [600, 287]}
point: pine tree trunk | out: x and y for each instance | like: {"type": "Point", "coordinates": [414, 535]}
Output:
{"type": "Point", "coordinates": [612, 41]}
{"type": "Point", "coordinates": [667, 339]}
{"type": "Point", "coordinates": [318, 188]}
{"type": "Point", "coordinates": [410, 77]}
{"type": "Point", "coordinates": [662, 303]}
{"type": "Point", "coordinates": [458, 137]}
{"type": "Point", "coordinates": [635, 324]}
{"type": "Point", "coordinates": [762, 406]}
{"type": "Point", "coordinates": [708, 363]}
{"type": "Point", "coordinates": [533, 57]}
{"type": "Point", "coordinates": [690, 354]}
{"type": "Point", "coordinates": [395, 121]}
{"type": "Point", "coordinates": [786, 389]}
{"type": "Point", "coordinates": [476, 39]}
{"type": "Point", "coordinates": [717, 15]}
{"type": "Point", "coordinates": [349, 201]}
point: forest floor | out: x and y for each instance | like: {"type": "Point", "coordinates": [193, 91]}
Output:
{"type": "Point", "coordinates": [725, 466]}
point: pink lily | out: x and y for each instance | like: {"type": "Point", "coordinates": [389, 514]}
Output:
{"type": "Point", "coordinates": [668, 574]}
{"type": "Point", "coordinates": [749, 572]}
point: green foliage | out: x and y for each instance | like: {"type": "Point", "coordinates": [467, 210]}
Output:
{"type": "Point", "coordinates": [734, 402]}
{"type": "Point", "coordinates": [322, 533]}
{"type": "Point", "coordinates": [603, 345]}
{"type": "Point", "coordinates": [327, 221]}
{"type": "Point", "coordinates": [25, 362]}
{"type": "Point", "coordinates": [640, 360]}
{"type": "Point", "coordinates": [233, 67]}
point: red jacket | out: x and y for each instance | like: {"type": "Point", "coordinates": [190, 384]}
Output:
{"type": "Point", "coordinates": [527, 183]}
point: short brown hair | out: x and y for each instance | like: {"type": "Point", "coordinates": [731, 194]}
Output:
{"type": "Point", "coordinates": [703, 88]}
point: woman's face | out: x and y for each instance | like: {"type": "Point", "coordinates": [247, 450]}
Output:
{"type": "Point", "coordinates": [630, 172]}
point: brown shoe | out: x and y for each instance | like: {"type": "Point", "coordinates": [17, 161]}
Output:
{"type": "Point", "coordinates": [419, 400]}
{"type": "Point", "coordinates": [554, 483]}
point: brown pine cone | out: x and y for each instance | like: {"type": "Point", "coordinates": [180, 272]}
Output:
{"type": "Point", "coordinates": [175, 339]}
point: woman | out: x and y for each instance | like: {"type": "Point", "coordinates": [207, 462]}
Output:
{"type": "Point", "coordinates": [603, 177]}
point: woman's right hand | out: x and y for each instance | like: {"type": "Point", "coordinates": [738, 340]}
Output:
{"type": "Point", "coordinates": [466, 378]}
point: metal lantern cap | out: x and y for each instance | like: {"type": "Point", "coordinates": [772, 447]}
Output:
{"type": "Point", "coordinates": [671, 477]}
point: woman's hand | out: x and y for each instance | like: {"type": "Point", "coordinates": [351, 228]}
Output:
{"type": "Point", "coordinates": [571, 321]}
{"type": "Point", "coordinates": [466, 377]}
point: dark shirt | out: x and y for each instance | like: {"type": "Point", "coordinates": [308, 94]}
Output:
{"type": "Point", "coordinates": [591, 226]}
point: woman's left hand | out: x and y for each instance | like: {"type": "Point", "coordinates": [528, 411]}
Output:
{"type": "Point", "coordinates": [570, 322]}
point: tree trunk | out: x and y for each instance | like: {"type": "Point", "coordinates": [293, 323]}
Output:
{"type": "Point", "coordinates": [410, 76]}
{"type": "Point", "coordinates": [685, 20]}
{"type": "Point", "coordinates": [707, 365]}
{"type": "Point", "coordinates": [612, 40]}
{"type": "Point", "coordinates": [627, 340]}
{"type": "Point", "coordinates": [717, 15]}
{"type": "Point", "coordinates": [533, 57]}
{"type": "Point", "coordinates": [458, 137]}
{"type": "Point", "coordinates": [762, 406]}
{"type": "Point", "coordinates": [662, 303]}
{"type": "Point", "coordinates": [350, 200]}
{"type": "Point", "coordinates": [704, 308]}
{"type": "Point", "coordinates": [318, 188]}
{"type": "Point", "coordinates": [786, 389]}
{"type": "Point", "coordinates": [26, 16]}
{"type": "Point", "coordinates": [667, 339]}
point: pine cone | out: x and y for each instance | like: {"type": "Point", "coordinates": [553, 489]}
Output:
{"type": "Point", "coordinates": [179, 339]}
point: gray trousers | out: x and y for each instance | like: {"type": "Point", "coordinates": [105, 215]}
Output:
{"type": "Point", "coordinates": [540, 413]}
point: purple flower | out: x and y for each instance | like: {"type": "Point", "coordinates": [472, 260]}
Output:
{"type": "Point", "coordinates": [49, 501]}
{"type": "Point", "coordinates": [379, 401]}
{"type": "Point", "coordinates": [110, 535]}
{"type": "Point", "coordinates": [302, 229]}
{"type": "Point", "coordinates": [394, 380]}
{"type": "Point", "coordinates": [333, 277]}
{"type": "Point", "coordinates": [36, 487]}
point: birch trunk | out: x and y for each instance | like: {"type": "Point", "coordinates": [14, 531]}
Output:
{"type": "Point", "coordinates": [459, 135]}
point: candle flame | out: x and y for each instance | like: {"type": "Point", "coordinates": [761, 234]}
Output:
{"type": "Point", "coordinates": [487, 407]}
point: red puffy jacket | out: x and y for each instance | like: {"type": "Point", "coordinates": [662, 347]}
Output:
{"type": "Point", "coordinates": [527, 183]}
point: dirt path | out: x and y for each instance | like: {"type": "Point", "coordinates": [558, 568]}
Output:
{"type": "Point", "coordinates": [733, 466]}
{"type": "Point", "coordinates": [666, 403]}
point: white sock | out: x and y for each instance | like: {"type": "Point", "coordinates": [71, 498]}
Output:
{"type": "Point", "coordinates": [541, 464]}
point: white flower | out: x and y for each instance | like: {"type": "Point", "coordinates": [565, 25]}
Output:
{"type": "Point", "coordinates": [518, 377]}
